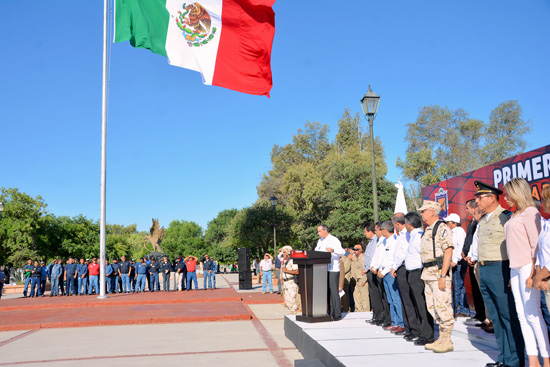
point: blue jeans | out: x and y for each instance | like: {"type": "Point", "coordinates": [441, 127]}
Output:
{"type": "Point", "coordinates": [35, 282]}
{"type": "Point", "coordinates": [27, 282]}
{"type": "Point", "coordinates": [207, 275]}
{"type": "Point", "coordinates": [71, 286]}
{"type": "Point", "coordinates": [55, 286]}
{"type": "Point", "coordinates": [82, 285]}
{"type": "Point", "coordinates": [154, 282]}
{"type": "Point", "coordinates": [460, 302]}
{"type": "Point", "coordinates": [214, 278]}
{"type": "Point", "coordinates": [125, 283]}
{"type": "Point", "coordinates": [394, 299]}
{"type": "Point", "coordinates": [94, 283]}
{"type": "Point", "coordinates": [192, 275]}
{"type": "Point", "coordinates": [140, 285]}
{"type": "Point", "coordinates": [267, 277]}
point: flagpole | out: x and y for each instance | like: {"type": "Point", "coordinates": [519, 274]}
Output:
{"type": "Point", "coordinates": [103, 158]}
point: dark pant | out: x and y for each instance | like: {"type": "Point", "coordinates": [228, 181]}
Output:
{"type": "Point", "coordinates": [495, 280]}
{"type": "Point", "coordinates": [334, 297]}
{"type": "Point", "coordinates": [410, 319]}
{"type": "Point", "coordinates": [479, 305]}
{"type": "Point", "coordinates": [35, 282]}
{"type": "Point", "coordinates": [166, 281]}
{"type": "Point", "coordinates": [71, 285]}
{"type": "Point", "coordinates": [42, 286]}
{"type": "Point", "coordinates": [379, 305]}
{"type": "Point", "coordinates": [416, 284]}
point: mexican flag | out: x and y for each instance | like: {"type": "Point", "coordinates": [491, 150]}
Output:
{"type": "Point", "coordinates": [227, 41]}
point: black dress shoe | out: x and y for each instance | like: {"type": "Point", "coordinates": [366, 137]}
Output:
{"type": "Point", "coordinates": [402, 332]}
{"type": "Point", "coordinates": [378, 322]}
{"type": "Point", "coordinates": [422, 341]}
{"type": "Point", "coordinates": [495, 364]}
{"type": "Point", "coordinates": [386, 325]}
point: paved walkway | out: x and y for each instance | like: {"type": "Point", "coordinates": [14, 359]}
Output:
{"type": "Point", "coordinates": [258, 339]}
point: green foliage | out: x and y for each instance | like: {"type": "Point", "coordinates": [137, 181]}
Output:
{"type": "Point", "coordinates": [444, 143]}
{"type": "Point", "coordinates": [253, 227]}
{"type": "Point", "coordinates": [20, 227]}
{"type": "Point", "coordinates": [183, 237]}
{"type": "Point", "coordinates": [216, 234]}
{"type": "Point", "coordinates": [322, 182]}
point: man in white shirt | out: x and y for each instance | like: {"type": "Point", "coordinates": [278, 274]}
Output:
{"type": "Point", "coordinates": [390, 285]}
{"type": "Point", "coordinates": [421, 322]}
{"type": "Point", "coordinates": [329, 243]}
{"type": "Point", "coordinates": [400, 273]}
{"type": "Point", "coordinates": [459, 267]}
{"type": "Point", "coordinates": [375, 292]}
{"type": "Point", "coordinates": [383, 317]}
{"type": "Point", "coordinates": [266, 267]}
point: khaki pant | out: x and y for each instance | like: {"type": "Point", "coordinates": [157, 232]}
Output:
{"type": "Point", "coordinates": [439, 304]}
{"type": "Point", "coordinates": [291, 295]}
{"type": "Point", "coordinates": [177, 280]}
{"type": "Point", "coordinates": [361, 297]}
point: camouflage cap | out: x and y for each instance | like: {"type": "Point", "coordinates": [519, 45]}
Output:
{"type": "Point", "coordinates": [428, 204]}
{"type": "Point", "coordinates": [287, 249]}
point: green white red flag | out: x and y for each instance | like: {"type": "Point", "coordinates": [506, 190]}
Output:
{"type": "Point", "coordinates": [228, 41]}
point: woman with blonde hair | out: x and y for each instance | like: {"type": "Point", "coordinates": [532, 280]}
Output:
{"type": "Point", "coordinates": [522, 236]}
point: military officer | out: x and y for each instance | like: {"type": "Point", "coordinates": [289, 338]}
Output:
{"type": "Point", "coordinates": [436, 251]}
{"type": "Point", "coordinates": [361, 290]}
{"type": "Point", "coordinates": [290, 277]}
{"type": "Point", "coordinates": [495, 276]}
{"type": "Point", "coordinates": [345, 280]}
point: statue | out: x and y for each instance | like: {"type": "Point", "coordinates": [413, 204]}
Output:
{"type": "Point", "coordinates": [156, 234]}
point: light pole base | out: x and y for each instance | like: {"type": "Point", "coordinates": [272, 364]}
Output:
{"type": "Point", "coordinates": [102, 297]}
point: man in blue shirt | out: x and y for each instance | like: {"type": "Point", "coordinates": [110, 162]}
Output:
{"type": "Point", "coordinates": [154, 275]}
{"type": "Point", "coordinates": [115, 276]}
{"type": "Point", "coordinates": [43, 278]}
{"type": "Point", "coordinates": [70, 276]}
{"type": "Point", "coordinates": [27, 274]}
{"type": "Point", "coordinates": [207, 265]}
{"type": "Point", "coordinates": [278, 264]}
{"type": "Point", "coordinates": [165, 269]}
{"type": "Point", "coordinates": [36, 274]}
{"type": "Point", "coordinates": [124, 273]}
{"type": "Point", "coordinates": [215, 269]}
{"type": "Point", "coordinates": [2, 281]}
{"type": "Point", "coordinates": [108, 274]}
{"type": "Point", "coordinates": [82, 271]}
{"type": "Point", "coordinates": [141, 272]}
{"type": "Point", "coordinates": [56, 273]}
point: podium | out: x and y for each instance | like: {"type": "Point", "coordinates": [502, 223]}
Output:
{"type": "Point", "coordinates": [313, 275]}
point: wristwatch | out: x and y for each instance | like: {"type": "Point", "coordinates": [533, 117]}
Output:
{"type": "Point", "coordinates": [442, 276]}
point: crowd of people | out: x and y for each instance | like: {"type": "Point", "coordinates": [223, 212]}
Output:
{"type": "Point", "coordinates": [411, 273]}
{"type": "Point", "coordinates": [81, 277]}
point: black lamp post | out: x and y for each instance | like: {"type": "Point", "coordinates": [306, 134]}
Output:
{"type": "Point", "coordinates": [273, 205]}
{"type": "Point", "coordinates": [369, 104]}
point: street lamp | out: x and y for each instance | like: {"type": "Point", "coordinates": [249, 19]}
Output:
{"type": "Point", "coordinates": [369, 104]}
{"type": "Point", "coordinates": [273, 205]}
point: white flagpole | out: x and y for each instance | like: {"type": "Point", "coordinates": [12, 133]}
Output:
{"type": "Point", "coordinates": [103, 157]}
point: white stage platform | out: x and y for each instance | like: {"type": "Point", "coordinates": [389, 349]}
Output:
{"type": "Point", "coordinates": [352, 342]}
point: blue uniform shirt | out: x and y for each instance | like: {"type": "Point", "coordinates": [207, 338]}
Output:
{"type": "Point", "coordinates": [70, 269]}
{"type": "Point", "coordinates": [141, 268]}
{"type": "Point", "coordinates": [57, 269]}
{"type": "Point", "coordinates": [82, 269]}
{"type": "Point", "coordinates": [44, 275]}
{"type": "Point", "coordinates": [108, 269]}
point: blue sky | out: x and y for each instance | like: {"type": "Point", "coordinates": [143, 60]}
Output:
{"type": "Point", "coordinates": [180, 150]}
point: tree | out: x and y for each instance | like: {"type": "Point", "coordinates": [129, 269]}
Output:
{"type": "Point", "coordinates": [443, 143]}
{"type": "Point", "coordinates": [20, 227]}
{"type": "Point", "coordinates": [505, 135]}
{"type": "Point", "coordinates": [183, 237]}
{"type": "Point", "coordinates": [216, 234]}
{"type": "Point", "coordinates": [253, 227]}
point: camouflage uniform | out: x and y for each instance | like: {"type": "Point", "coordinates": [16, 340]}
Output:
{"type": "Point", "coordinates": [437, 301]}
{"type": "Point", "coordinates": [361, 292]}
{"type": "Point", "coordinates": [290, 286]}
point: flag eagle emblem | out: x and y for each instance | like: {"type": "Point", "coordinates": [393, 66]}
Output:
{"type": "Point", "coordinates": [195, 22]}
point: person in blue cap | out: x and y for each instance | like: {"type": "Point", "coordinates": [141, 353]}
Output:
{"type": "Point", "coordinates": [56, 273]}
{"type": "Point", "coordinates": [43, 278]}
{"type": "Point", "coordinates": [495, 277]}
{"type": "Point", "coordinates": [141, 272]}
{"type": "Point", "coordinates": [82, 271]}
{"type": "Point", "coordinates": [115, 276]}
{"type": "Point", "coordinates": [108, 275]}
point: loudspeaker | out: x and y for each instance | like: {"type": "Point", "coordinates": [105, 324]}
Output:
{"type": "Point", "coordinates": [244, 259]}
{"type": "Point", "coordinates": [245, 279]}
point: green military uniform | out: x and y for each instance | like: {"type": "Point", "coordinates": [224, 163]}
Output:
{"type": "Point", "coordinates": [494, 287]}
{"type": "Point", "coordinates": [438, 302]}
{"type": "Point", "coordinates": [361, 291]}
{"type": "Point", "coordinates": [344, 282]}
